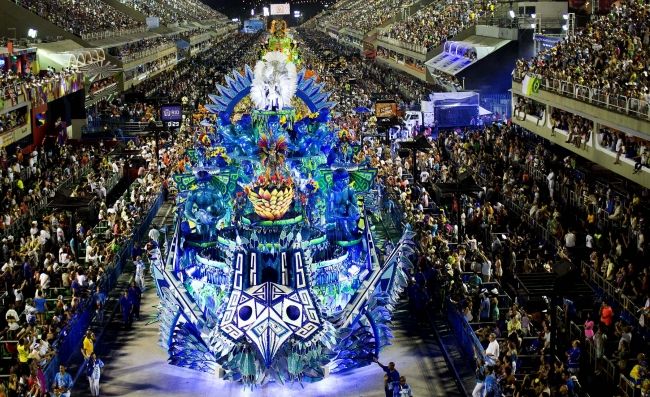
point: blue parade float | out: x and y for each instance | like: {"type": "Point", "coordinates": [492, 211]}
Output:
{"type": "Point", "coordinates": [273, 273]}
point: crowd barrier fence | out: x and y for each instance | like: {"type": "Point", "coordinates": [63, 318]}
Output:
{"type": "Point", "coordinates": [634, 107]}
{"type": "Point", "coordinates": [71, 336]}
{"type": "Point", "coordinates": [21, 224]}
{"type": "Point", "coordinates": [112, 33]}
{"type": "Point", "coordinates": [465, 335]}
{"type": "Point", "coordinates": [145, 53]}
{"type": "Point", "coordinates": [627, 308]}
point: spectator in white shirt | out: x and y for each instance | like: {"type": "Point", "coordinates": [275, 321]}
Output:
{"type": "Point", "coordinates": [44, 280]}
{"type": "Point", "coordinates": [551, 182]}
{"type": "Point", "coordinates": [570, 239]}
{"type": "Point", "coordinates": [486, 270]}
{"type": "Point", "coordinates": [492, 350]}
{"type": "Point", "coordinates": [424, 176]}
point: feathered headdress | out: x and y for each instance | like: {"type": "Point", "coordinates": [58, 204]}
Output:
{"type": "Point", "coordinates": [276, 72]}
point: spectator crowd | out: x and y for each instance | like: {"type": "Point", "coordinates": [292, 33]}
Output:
{"type": "Point", "coordinates": [610, 55]}
{"type": "Point", "coordinates": [431, 26]}
{"type": "Point", "coordinates": [81, 17]}
{"type": "Point", "coordinates": [522, 219]}
{"type": "Point", "coordinates": [133, 49]}
{"type": "Point", "coordinates": [532, 208]}
{"type": "Point", "coordinates": [364, 15]}
{"type": "Point", "coordinates": [56, 266]}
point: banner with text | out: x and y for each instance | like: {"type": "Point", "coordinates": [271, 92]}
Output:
{"type": "Point", "coordinates": [280, 9]}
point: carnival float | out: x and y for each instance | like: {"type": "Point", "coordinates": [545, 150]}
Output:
{"type": "Point", "coordinates": [274, 271]}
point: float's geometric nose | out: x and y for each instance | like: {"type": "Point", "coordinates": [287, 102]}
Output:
{"type": "Point", "coordinates": [268, 333]}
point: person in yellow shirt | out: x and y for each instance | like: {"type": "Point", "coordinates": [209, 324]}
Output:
{"type": "Point", "coordinates": [591, 218]}
{"type": "Point", "coordinates": [23, 355]}
{"type": "Point", "coordinates": [640, 370]}
{"type": "Point", "coordinates": [88, 344]}
{"type": "Point", "coordinates": [514, 324]}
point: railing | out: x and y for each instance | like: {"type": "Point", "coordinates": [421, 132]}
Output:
{"type": "Point", "coordinates": [21, 224]}
{"type": "Point", "coordinates": [625, 303]}
{"type": "Point", "coordinates": [533, 223]}
{"type": "Point", "coordinates": [627, 387]}
{"type": "Point", "coordinates": [70, 337]}
{"type": "Point", "coordinates": [576, 200]}
{"type": "Point", "coordinates": [630, 311]}
{"type": "Point", "coordinates": [467, 339]}
{"type": "Point", "coordinates": [112, 33]}
{"type": "Point", "coordinates": [499, 21]}
{"type": "Point", "coordinates": [146, 53]}
{"type": "Point", "coordinates": [634, 107]}
{"type": "Point", "coordinates": [97, 125]}
{"type": "Point", "coordinates": [420, 49]}
{"type": "Point", "coordinates": [9, 90]}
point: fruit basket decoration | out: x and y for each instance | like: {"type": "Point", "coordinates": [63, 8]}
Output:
{"type": "Point", "coordinates": [271, 194]}
{"type": "Point", "coordinates": [271, 197]}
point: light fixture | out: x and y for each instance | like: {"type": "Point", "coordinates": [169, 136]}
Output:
{"type": "Point", "coordinates": [565, 17]}
{"type": "Point", "coordinates": [512, 13]}
{"type": "Point", "coordinates": [32, 33]}
{"type": "Point", "coordinates": [565, 27]}
{"type": "Point", "coordinates": [533, 15]}
{"type": "Point", "coordinates": [252, 12]}
{"type": "Point", "coordinates": [532, 25]}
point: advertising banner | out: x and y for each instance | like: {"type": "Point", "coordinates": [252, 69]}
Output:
{"type": "Point", "coordinates": [280, 9]}
{"type": "Point", "coordinates": [385, 109]}
{"type": "Point", "coordinates": [171, 112]}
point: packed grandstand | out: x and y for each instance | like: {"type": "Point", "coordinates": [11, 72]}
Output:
{"type": "Point", "coordinates": [528, 218]}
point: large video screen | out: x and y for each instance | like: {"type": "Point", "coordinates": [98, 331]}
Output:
{"type": "Point", "coordinates": [280, 9]}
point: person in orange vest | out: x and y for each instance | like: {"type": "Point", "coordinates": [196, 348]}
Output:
{"type": "Point", "coordinates": [606, 315]}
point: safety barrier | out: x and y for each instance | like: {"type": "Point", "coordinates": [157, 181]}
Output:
{"type": "Point", "coordinates": [112, 33]}
{"type": "Point", "coordinates": [420, 49]}
{"type": "Point", "coordinates": [634, 107]}
{"type": "Point", "coordinates": [465, 335]}
{"type": "Point", "coordinates": [71, 336]}
{"type": "Point", "coordinates": [627, 387]}
{"type": "Point", "coordinates": [145, 53]}
{"type": "Point", "coordinates": [126, 127]}
{"type": "Point", "coordinates": [629, 310]}
{"type": "Point", "coordinates": [21, 224]}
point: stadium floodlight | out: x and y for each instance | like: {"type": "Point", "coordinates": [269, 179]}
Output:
{"type": "Point", "coordinates": [266, 11]}
{"type": "Point", "coordinates": [32, 33]}
{"type": "Point", "coordinates": [512, 13]}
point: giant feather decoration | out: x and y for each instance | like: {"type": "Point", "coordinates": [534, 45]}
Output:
{"type": "Point", "coordinates": [274, 73]}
